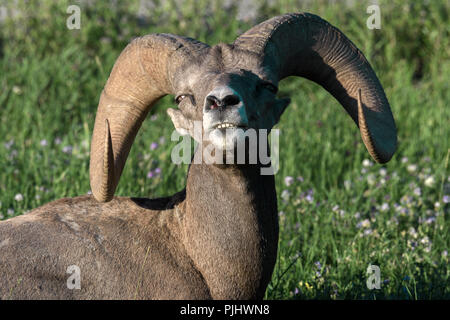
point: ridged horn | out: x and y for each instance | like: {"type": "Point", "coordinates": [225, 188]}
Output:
{"type": "Point", "coordinates": [143, 73]}
{"type": "Point", "coordinates": [303, 44]}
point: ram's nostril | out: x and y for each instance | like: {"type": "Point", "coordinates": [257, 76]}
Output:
{"type": "Point", "coordinates": [231, 100]}
{"type": "Point", "coordinates": [218, 99]}
{"type": "Point", "coordinates": [212, 103]}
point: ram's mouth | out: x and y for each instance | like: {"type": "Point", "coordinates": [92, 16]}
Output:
{"type": "Point", "coordinates": [228, 125]}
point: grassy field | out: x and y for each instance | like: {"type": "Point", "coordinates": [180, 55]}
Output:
{"type": "Point", "coordinates": [339, 212]}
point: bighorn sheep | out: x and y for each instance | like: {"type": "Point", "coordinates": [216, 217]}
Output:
{"type": "Point", "coordinates": [217, 238]}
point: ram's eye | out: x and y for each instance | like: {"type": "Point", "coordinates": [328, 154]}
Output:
{"type": "Point", "coordinates": [179, 98]}
{"type": "Point", "coordinates": [270, 87]}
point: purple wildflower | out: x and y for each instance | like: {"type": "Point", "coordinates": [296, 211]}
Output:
{"type": "Point", "coordinates": [318, 265]}
{"type": "Point", "coordinates": [67, 149]}
{"type": "Point", "coordinates": [9, 144]}
{"type": "Point", "coordinates": [153, 146]}
{"type": "Point", "coordinates": [430, 220]}
{"type": "Point", "coordinates": [446, 199]}
{"type": "Point", "coordinates": [417, 191]}
{"type": "Point", "coordinates": [288, 180]}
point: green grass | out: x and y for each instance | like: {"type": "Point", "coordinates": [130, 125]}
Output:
{"type": "Point", "coordinates": [343, 214]}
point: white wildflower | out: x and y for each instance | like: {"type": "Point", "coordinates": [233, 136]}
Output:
{"type": "Point", "coordinates": [425, 240]}
{"type": "Point", "coordinates": [412, 168]}
{"type": "Point", "coordinates": [371, 180]}
{"type": "Point", "coordinates": [367, 163]}
{"type": "Point", "coordinates": [285, 195]}
{"type": "Point", "coordinates": [364, 224]}
{"type": "Point", "coordinates": [17, 90]}
{"type": "Point", "coordinates": [347, 184]}
{"type": "Point", "coordinates": [429, 182]}
{"type": "Point", "coordinates": [412, 232]}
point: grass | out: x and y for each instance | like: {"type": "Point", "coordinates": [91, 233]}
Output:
{"type": "Point", "coordinates": [339, 212]}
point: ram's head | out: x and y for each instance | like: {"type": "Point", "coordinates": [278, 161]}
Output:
{"type": "Point", "coordinates": [233, 88]}
{"type": "Point", "coordinates": [229, 92]}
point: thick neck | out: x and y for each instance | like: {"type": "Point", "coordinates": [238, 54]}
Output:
{"type": "Point", "coordinates": [231, 228]}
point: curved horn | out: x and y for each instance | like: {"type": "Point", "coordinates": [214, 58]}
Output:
{"type": "Point", "coordinates": [143, 73]}
{"type": "Point", "coordinates": [305, 45]}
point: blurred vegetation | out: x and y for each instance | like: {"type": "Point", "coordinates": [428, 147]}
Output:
{"type": "Point", "coordinates": [51, 78]}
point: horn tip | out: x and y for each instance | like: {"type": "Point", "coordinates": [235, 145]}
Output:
{"type": "Point", "coordinates": [380, 150]}
{"type": "Point", "coordinates": [102, 183]}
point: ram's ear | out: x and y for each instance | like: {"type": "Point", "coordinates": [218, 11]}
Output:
{"type": "Point", "coordinates": [183, 125]}
{"type": "Point", "coordinates": [279, 108]}
{"type": "Point", "coordinates": [275, 113]}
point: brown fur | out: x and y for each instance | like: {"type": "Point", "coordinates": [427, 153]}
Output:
{"type": "Point", "coordinates": [197, 249]}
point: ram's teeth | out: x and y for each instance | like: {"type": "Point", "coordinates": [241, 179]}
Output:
{"type": "Point", "coordinates": [225, 125]}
